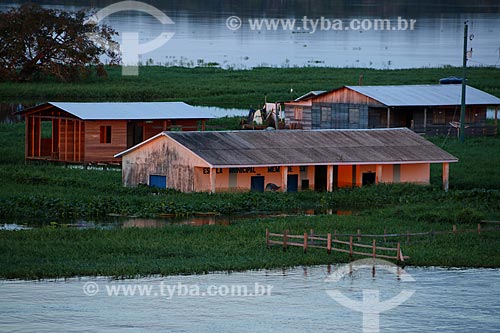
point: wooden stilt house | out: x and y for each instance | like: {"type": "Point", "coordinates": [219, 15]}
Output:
{"type": "Point", "coordinates": [88, 133]}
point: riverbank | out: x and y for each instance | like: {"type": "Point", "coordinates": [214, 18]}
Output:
{"type": "Point", "coordinates": [231, 88]}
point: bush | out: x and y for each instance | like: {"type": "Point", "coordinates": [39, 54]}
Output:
{"type": "Point", "coordinates": [469, 216]}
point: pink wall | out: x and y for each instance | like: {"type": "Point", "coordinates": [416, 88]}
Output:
{"type": "Point", "coordinates": [415, 173]}
{"type": "Point", "coordinates": [243, 180]}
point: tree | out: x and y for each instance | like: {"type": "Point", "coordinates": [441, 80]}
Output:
{"type": "Point", "coordinates": [35, 41]}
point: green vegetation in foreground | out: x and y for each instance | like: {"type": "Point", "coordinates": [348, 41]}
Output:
{"type": "Point", "coordinates": [49, 192]}
{"type": "Point", "coordinates": [177, 249]}
{"type": "Point", "coordinates": [231, 88]}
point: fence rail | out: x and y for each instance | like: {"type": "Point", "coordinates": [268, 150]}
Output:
{"type": "Point", "coordinates": [479, 229]}
{"type": "Point", "coordinates": [328, 243]}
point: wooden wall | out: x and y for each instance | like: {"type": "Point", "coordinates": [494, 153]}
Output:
{"type": "Point", "coordinates": [95, 151]}
{"type": "Point", "coordinates": [338, 116]}
{"type": "Point", "coordinates": [71, 140]}
{"type": "Point", "coordinates": [291, 116]}
{"type": "Point", "coordinates": [66, 141]}
{"type": "Point", "coordinates": [153, 127]}
{"type": "Point", "coordinates": [346, 96]}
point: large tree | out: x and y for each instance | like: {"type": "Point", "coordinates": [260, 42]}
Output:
{"type": "Point", "coordinates": [42, 42]}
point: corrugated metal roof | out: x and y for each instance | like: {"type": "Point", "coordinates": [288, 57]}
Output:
{"type": "Point", "coordinates": [426, 95]}
{"type": "Point", "coordinates": [310, 94]}
{"type": "Point", "coordinates": [315, 147]}
{"type": "Point", "coordinates": [132, 111]}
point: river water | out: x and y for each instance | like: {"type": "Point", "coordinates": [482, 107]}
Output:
{"type": "Point", "coordinates": [284, 300]}
{"type": "Point", "coordinates": [202, 37]}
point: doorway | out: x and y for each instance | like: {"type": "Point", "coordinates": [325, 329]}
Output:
{"type": "Point", "coordinates": [257, 183]}
{"type": "Point", "coordinates": [368, 178]}
{"type": "Point", "coordinates": [135, 133]}
{"type": "Point", "coordinates": [320, 178]}
{"type": "Point", "coordinates": [292, 183]}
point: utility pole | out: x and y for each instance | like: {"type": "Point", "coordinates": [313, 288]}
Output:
{"type": "Point", "coordinates": [464, 82]}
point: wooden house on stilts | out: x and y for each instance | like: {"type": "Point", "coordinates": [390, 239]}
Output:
{"type": "Point", "coordinates": [89, 133]}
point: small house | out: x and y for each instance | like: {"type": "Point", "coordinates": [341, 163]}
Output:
{"type": "Point", "coordinates": [428, 109]}
{"type": "Point", "coordinates": [94, 132]}
{"type": "Point", "coordinates": [286, 160]}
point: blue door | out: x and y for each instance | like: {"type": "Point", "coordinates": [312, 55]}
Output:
{"type": "Point", "coordinates": [158, 181]}
{"type": "Point", "coordinates": [292, 183]}
{"type": "Point", "coordinates": [257, 184]}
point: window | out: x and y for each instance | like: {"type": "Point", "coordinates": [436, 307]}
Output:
{"type": "Point", "coordinates": [353, 115]}
{"type": "Point", "coordinates": [324, 113]}
{"type": "Point", "coordinates": [158, 181]}
{"type": "Point", "coordinates": [297, 113]}
{"type": "Point", "coordinates": [105, 134]}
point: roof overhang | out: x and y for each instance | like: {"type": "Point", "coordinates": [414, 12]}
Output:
{"type": "Point", "coordinates": [224, 166]}
{"type": "Point", "coordinates": [125, 111]}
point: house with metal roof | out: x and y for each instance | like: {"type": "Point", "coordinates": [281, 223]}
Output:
{"type": "Point", "coordinates": [94, 132]}
{"type": "Point", "coordinates": [428, 109]}
{"type": "Point", "coordinates": [286, 160]}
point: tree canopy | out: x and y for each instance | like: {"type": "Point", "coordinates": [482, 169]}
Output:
{"type": "Point", "coordinates": [36, 42]}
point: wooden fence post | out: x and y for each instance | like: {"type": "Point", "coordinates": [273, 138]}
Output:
{"type": "Point", "coordinates": [329, 243]}
{"type": "Point", "coordinates": [374, 255]}
{"type": "Point", "coordinates": [311, 232]}
{"type": "Point", "coordinates": [359, 235]}
{"type": "Point", "coordinates": [385, 235]}
{"type": "Point", "coordinates": [305, 242]}
{"type": "Point", "coordinates": [350, 247]}
{"type": "Point", "coordinates": [407, 235]}
{"type": "Point", "coordinates": [374, 249]}
{"type": "Point", "coordinates": [454, 229]}
{"type": "Point", "coordinates": [335, 234]}
{"type": "Point", "coordinates": [267, 237]}
{"type": "Point", "coordinates": [479, 228]}
{"type": "Point", "coordinates": [398, 251]}
{"type": "Point", "coordinates": [285, 238]}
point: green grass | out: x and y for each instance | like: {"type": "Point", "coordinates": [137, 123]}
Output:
{"type": "Point", "coordinates": [231, 88]}
{"type": "Point", "coordinates": [41, 193]}
{"type": "Point", "coordinates": [479, 159]}
{"type": "Point", "coordinates": [51, 253]}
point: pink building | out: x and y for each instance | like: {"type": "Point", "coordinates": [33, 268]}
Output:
{"type": "Point", "coordinates": [291, 160]}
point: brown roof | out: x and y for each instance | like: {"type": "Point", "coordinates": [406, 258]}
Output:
{"type": "Point", "coordinates": [315, 147]}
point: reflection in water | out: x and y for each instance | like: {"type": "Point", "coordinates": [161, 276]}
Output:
{"type": "Point", "coordinates": [194, 220]}
{"type": "Point", "coordinates": [445, 300]}
{"type": "Point", "coordinates": [203, 39]}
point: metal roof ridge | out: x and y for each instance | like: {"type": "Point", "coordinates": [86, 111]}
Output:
{"type": "Point", "coordinates": [301, 131]}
